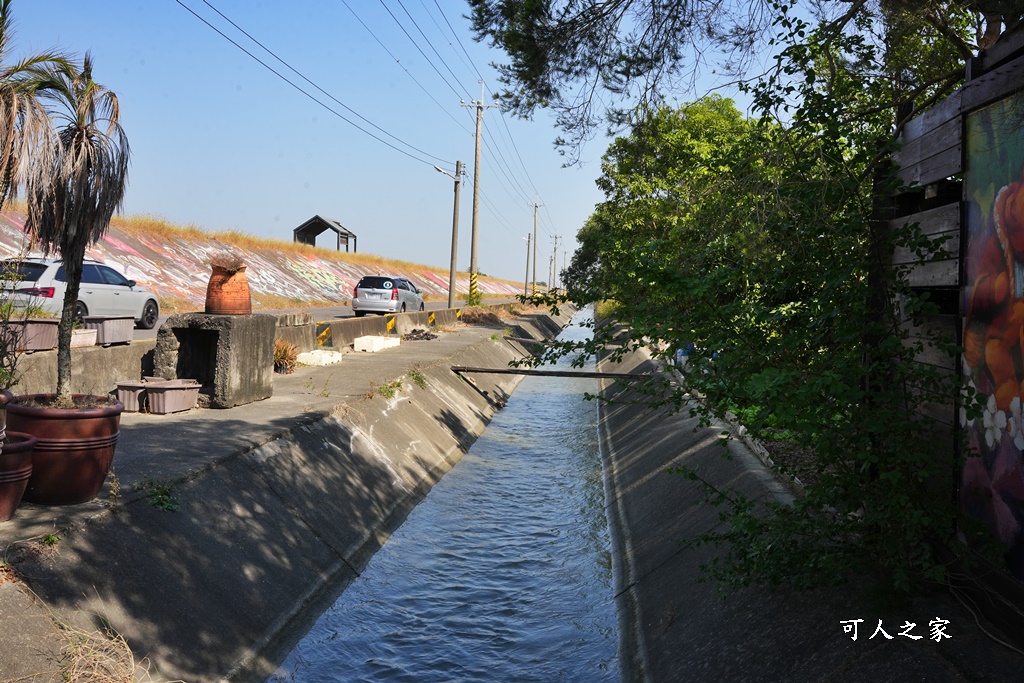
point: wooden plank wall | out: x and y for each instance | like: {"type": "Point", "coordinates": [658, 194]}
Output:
{"type": "Point", "coordinates": [931, 162]}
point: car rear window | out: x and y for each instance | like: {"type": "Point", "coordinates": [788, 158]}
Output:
{"type": "Point", "coordinates": [22, 271]}
{"type": "Point", "coordinates": [375, 282]}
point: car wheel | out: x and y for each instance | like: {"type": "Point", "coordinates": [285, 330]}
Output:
{"type": "Point", "coordinates": [150, 314]}
{"type": "Point", "coordinates": [359, 314]}
{"type": "Point", "coordinates": [403, 308]}
{"type": "Point", "coordinates": [80, 311]}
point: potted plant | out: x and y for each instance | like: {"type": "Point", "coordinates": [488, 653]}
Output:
{"type": "Point", "coordinates": [15, 447]}
{"type": "Point", "coordinates": [73, 185]}
{"type": "Point", "coordinates": [31, 329]}
{"type": "Point", "coordinates": [227, 292]}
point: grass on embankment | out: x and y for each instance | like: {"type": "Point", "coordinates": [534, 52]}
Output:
{"type": "Point", "coordinates": [153, 226]}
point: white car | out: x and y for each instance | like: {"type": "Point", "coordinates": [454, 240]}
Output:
{"type": "Point", "coordinates": [385, 294]}
{"type": "Point", "coordinates": [103, 292]}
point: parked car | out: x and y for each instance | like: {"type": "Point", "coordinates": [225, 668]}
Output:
{"type": "Point", "coordinates": [385, 294]}
{"type": "Point", "coordinates": [103, 292]}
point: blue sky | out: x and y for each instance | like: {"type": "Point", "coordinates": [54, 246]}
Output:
{"type": "Point", "coordinates": [220, 142]}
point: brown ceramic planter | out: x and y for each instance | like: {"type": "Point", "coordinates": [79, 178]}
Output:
{"type": "Point", "coordinates": [15, 470]}
{"type": "Point", "coordinates": [74, 448]}
{"type": "Point", "coordinates": [228, 293]}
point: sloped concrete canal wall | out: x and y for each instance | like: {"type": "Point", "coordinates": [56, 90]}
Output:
{"type": "Point", "coordinates": [267, 537]}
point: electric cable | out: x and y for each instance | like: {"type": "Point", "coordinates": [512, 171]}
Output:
{"type": "Point", "coordinates": [314, 99]}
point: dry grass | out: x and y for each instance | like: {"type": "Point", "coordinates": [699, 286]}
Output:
{"type": "Point", "coordinates": [155, 227]}
{"type": "Point", "coordinates": [479, 316]}
{"type": "Point", "coordinates": [174, 305]}
{"type": "Point", "coordinates": [99, 657]}
{"type": "Point", "coordinates": [276, 302]}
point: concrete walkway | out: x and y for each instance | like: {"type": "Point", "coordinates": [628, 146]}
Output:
{"type": "Point", "coordinates": [676, 628]}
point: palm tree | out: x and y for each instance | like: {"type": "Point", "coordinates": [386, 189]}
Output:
{"type": "Point", "coordinates": [72, 197]}
{"type": "Point", "coordinates": [25, 130]}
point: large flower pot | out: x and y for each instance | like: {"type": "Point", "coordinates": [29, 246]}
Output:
{"type": "Point", "coordinates": [74, 446]}
{"type": "Point", "coordinates": [227, 292]}
{"type": "Point", "coordinates": [15, 470]}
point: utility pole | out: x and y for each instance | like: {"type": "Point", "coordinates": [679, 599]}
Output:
{"type": "Point", "coordinates": [473, 272]}
{"type": "Point", "coordinates": [526, 280]}
{"type": "Point", "coordinates": [535, 207]}
{"type": "Point", "coordinates": [455, 230]}
{"type": "Point", "coordinates": [553, 282]}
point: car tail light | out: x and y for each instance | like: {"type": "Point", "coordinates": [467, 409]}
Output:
{"type": "Point", "coordinates": [394, 294]}
{"type": "Point", "coordinates": [45, 292]}
{"type": "Point", "coordinates": [355, 292]}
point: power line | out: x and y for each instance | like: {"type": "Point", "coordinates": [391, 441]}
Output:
{"type": "Point", "coordinates": [429, 43]}
{"type": "Point", "coordinates": [407, 72]}
{"type": "Point", "coordinates": [420, 50]}
{"type": "Point", "coordinates": [303, 77]}
{"type": "Point", "coordinates": [471, 64]}
{"type": "Point", "coordinates": [325, 106]}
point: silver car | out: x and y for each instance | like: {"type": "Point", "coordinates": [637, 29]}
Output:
{"type": "Point", "coordinates": [385, 294]}
{"type": "Point", "coordinates": [103, 292]}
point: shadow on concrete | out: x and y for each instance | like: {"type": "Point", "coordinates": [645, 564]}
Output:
{"type": "Point", "coordinates": [198, 581]}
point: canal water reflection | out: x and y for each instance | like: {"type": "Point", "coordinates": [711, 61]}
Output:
{"type": "Point", "coordinates": [503, 573]}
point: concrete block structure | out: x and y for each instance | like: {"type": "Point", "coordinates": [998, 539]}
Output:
{"type": "Point", "coordinates": [231, 356]}
{"type": "Point", "coordinates": [375, 344]}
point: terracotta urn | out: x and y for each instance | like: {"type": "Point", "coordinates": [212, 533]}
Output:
{"type": "Point", "coordinates": [228, 292]}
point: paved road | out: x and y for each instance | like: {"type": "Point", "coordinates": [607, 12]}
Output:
{"type": "Point", "coordinates": [318, 313]}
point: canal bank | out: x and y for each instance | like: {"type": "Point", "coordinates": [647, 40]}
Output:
{"type": "Point", "coordinates": [675, 627]}
{"type": "Point", "coordinates": [279, 503]}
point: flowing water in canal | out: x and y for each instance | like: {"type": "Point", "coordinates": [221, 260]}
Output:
{"type": "Point", "coordinates": [502, 573]}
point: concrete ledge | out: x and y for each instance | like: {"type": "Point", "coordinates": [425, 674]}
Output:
{"type": "Point", "coordinates": [298, 329]}
{"type": "Point", "coordinates": [94, 369]}
{"type": "Point", "coordinates": [340, 334]}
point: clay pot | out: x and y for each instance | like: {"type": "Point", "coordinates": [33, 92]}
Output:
{"type": "Point", "coordinates": [74, 447]}
{"type": "Point", "coordinates": [15, 470]}
{"type": "Point", "coordinates": [228, 292]}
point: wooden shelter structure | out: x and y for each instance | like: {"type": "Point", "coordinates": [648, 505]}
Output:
{"type": "Point", "coordinates": [308, 232]}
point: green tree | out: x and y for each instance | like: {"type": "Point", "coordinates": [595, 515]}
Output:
{"type": "Point", "coordinates": [572, 57]}
{"type": "Point", "coordinates": [74, 195]}
{"type": "Point", "coordinates": [756, 241]}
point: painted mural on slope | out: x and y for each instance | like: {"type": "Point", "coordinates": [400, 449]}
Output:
{"type": "Point", "coordinates": [177, 268]}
